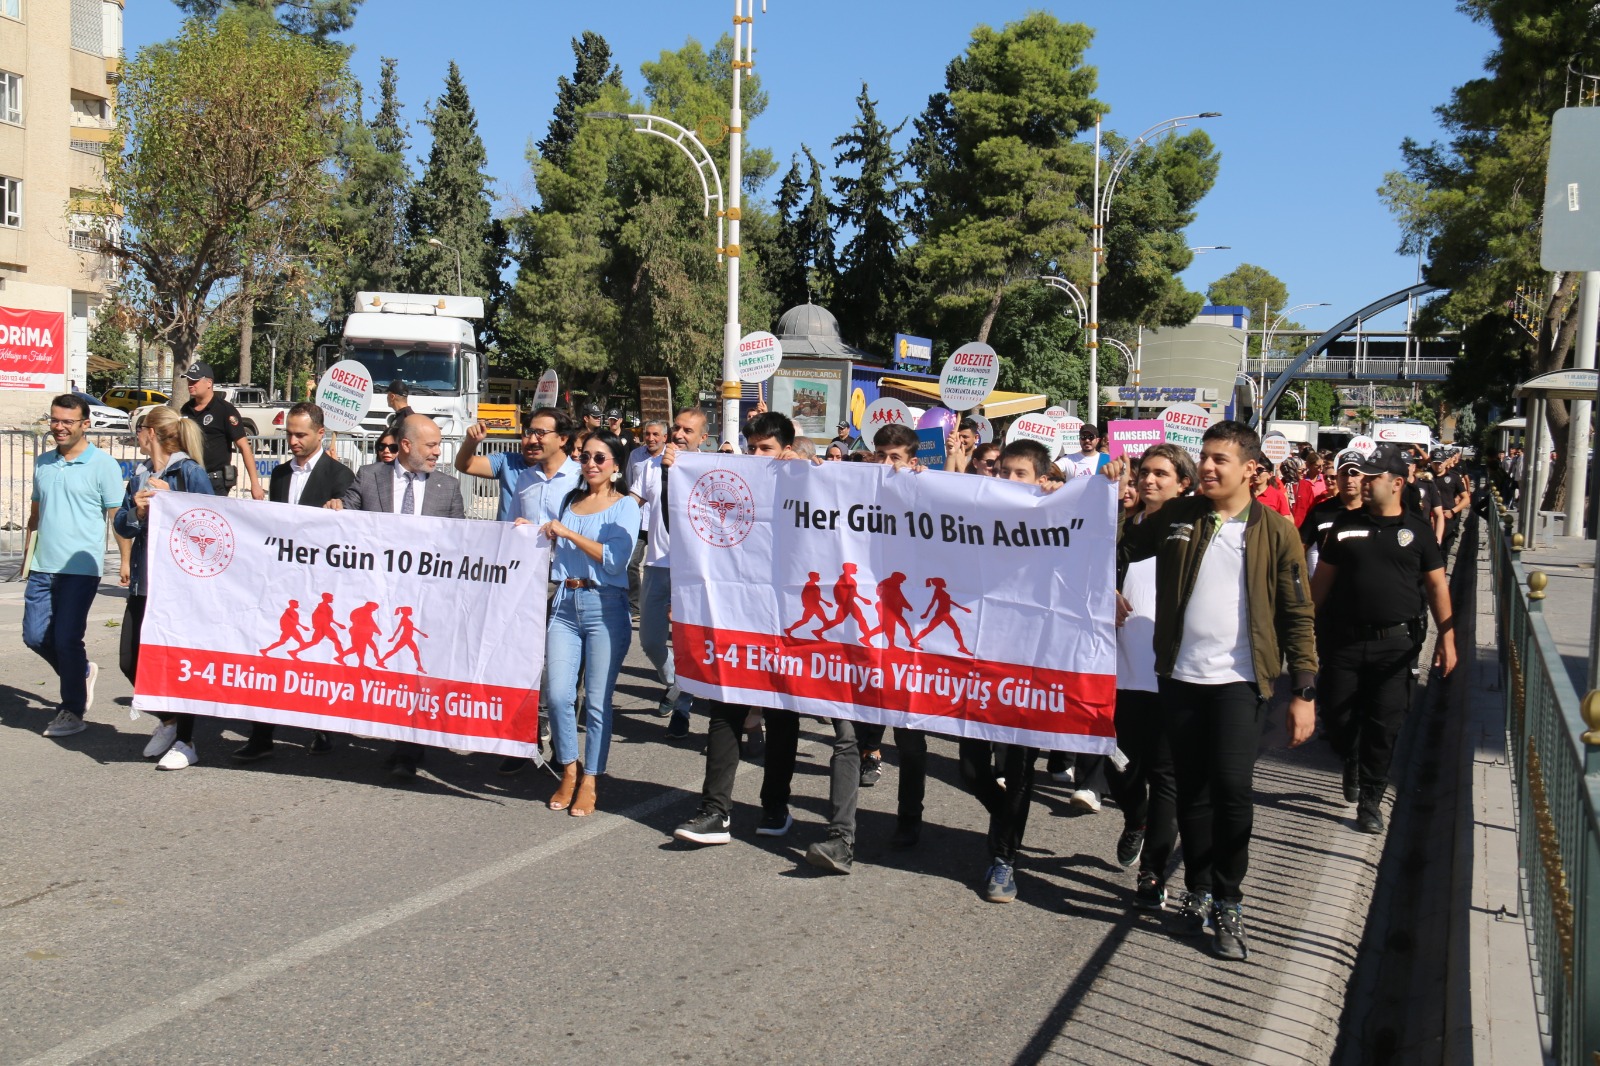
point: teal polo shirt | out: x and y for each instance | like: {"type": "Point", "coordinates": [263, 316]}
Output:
{"type": "Point", "coordinates": [73, 497]}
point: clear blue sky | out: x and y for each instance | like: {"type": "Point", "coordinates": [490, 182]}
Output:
{"type": "Point", "coordinates": [1315, 97]}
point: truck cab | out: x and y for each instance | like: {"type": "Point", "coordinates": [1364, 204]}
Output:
{"type": "Point", "coordinates": [427, 341]}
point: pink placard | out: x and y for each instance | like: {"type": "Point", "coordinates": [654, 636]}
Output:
{"type": "Point", "coordinates": [1133, 435]}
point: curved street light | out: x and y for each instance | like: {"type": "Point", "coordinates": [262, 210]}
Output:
{"type": "Point", "coordinates": [1101, 212]}
{"type": "Point", "coordinates": [690, 144]}
{"type": "Point", "coordinates": [437, 243]}
{"type": "Point", "coordinates": [1079, 304]}
{"type": "Point", "coordinates": [1266, 343]}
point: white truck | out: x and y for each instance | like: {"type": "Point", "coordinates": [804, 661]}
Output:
{"type": "Point", "coordinates": [427, 341]}
{"type": "Point", "coordinates": [260, 416]}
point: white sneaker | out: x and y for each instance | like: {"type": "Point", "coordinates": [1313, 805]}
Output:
{"type": "Point", "coordinates": [180, 756]}
{"type": "Point", "coordinates": [161, 740]}
{"type": "Point", "coordinates": [89, 678]}
{"type": "Point", "coordinates": [64, 725]}
{"type": "Point", "coordinates": [1085, 799]}
{"type": "Point", "coordinates": [1062, 777]}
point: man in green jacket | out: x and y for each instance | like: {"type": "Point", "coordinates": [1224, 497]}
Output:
{"type": "Point", "coordinates": [1240, 566]}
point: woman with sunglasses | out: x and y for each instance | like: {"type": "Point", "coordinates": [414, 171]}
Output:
{"type": "Point", "coordinates": [590, 623]}
{"type": "Point", "coordinates": [170, 441]}
{"type": "Point", "coordinates": [388, 447]}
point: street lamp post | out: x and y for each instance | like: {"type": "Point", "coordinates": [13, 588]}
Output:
{"type": "Point", "coordinates": [1102, 210]}
{"type": "Point", "coordinates": [437, 243]}
{"type": "Point", "coordinates": [1266, 345]}
{"type": "Point", "coordinates": [727, 205]}
{"type": "Point", "coordinates": [1133, 364]}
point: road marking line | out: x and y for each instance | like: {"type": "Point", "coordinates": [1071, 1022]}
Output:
{"type": "Point", "coordinates": [142, 1021]}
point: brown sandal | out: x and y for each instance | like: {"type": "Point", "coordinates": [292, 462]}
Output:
{"type": "Point", "coordinates": [584, 804]}
{"type": "Point", "coordinates": [569, 782]}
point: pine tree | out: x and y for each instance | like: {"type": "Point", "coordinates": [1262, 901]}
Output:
{"type": "Point", "coordinates": [374, 187]}
{"type": "Point", "coordinates": [577, 94]}
{"type": "Point", "coordinates": [817, 226]}
{"type": "Point", "coordinates": [871, 290]}
{"type": "Point", "coordinates": [789, 271]}
{"type": "Point", "coordinates": [451, 203]}
{"type": "Point", "coordinates": [311, 18]}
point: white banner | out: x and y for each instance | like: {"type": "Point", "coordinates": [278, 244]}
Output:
{"type": "Point", "coordinates": [428, 630]}
{"type": "Point", "coordinates": [968, 606]}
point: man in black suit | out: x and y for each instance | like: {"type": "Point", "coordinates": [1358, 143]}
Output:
{"type": "Point", "coordinates": [310, 478]}
{"type": "Point", "coordinates": [411, 484]}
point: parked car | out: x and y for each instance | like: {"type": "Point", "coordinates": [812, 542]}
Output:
{"type": "Point", "coordinates": [259, 415]}
{"type": "Point", "coordinates": [101, 416]}
{"type": "Point", "coordinates": [131, 398]}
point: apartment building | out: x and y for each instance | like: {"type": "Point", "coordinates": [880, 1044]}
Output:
{"type": "Point", "coordinates": [59, 65]}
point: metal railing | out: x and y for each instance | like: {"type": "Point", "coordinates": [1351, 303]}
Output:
{"type": "Point", "coordinates": [1555, 764]}
{"type": "Point", "coordinates": [1375, 369]}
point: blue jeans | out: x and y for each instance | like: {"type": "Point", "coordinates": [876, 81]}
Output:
{"type": "Point", "coordinates": [655, 625]}
{"type": "Point", "coordinates": [590, 629]}
{"type": "Point", "coordinates": [55, 614]}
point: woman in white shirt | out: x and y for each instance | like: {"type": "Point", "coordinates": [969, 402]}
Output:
{"type": "Point", "coordinates": [1146, 789]}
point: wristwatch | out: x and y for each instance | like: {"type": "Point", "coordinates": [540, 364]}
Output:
{"type": "Point", "coordinates": [1309, 693]}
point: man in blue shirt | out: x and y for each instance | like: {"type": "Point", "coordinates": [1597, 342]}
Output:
{"type": "Point", "coordinates": [532, 486]}
{"type": "Point", "coordinates": [543, 468]}
{"type": "Point", "coordinates": [76, 489]}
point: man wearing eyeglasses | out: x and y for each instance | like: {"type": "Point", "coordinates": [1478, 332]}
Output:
{"type": "Point", "coordinates": [543, 467]}
{"type": "Point", "coordinates": [1090, 458]}
{"type": "Point", "coordinates": [76, 489]}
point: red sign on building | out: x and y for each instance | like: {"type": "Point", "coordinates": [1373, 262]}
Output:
{"type": "Point", "coordinates": [33, 349]}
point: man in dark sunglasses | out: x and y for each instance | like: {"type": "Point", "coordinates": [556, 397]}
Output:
{"type": "Point", "coordinates": [1090, 458]}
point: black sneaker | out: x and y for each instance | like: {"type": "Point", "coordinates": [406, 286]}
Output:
{"type": "Point", "coordinates": [1130, 845]}
{"type": "Point", "coordinates": [678, 728]}
{"type": "Point", "coordinates": [832, 854]}
{"type": "Point", "coordinates": [1352, 781]}
{"type": "Point", "coordinates": [907, 833]}
{"type": "Point", "coordinates": [321, 744]}
{"type": "Point", "coordinates": [513, 764]}
{"type": "Point", "coordinates": [1229, 943]}
{"type": "Point", "coordinates": [775, 823]}
{"type": "Point", "coordinates": [1369, 811]}
{"type": "Point", "coordinates": [1149, 896]}
{"type": "Point", "coordinates": [1194, 913]}
{"type": "Point", "coordinates": [253, 751]}
{"type": "Point", "coordinates": [871, 770]}
{"type": "Point", "coordinates": [706, 827]}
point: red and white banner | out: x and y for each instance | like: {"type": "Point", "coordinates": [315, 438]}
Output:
{"type": "Point", "coordinates": [33, 349]}
{"type": "Point", "coordinates": [428, 630]}
{"type": "Point", "coordinates": [957, 604]}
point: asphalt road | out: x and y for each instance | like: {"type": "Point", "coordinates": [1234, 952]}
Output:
{"type": "Point", "coordinates": [304, 910]}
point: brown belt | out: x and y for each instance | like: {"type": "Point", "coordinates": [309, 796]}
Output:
{"type": "Point", "coordinates": [580, 583]}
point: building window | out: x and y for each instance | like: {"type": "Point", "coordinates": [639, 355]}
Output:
{"type": "Point", "coordinates": [11, 8]}
{"type": "Point", "coordinates": [88, 32]}
{"type": "Point", "coordinates": [10, 97]}
{"type": "Point", "coordinates": [92, 108]}
{"type": "Point", "coordinates": [10, 202]}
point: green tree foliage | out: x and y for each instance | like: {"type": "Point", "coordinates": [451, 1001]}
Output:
{"type": "Point", "coordinates": [370, 203]}
{"type": "Point", "coordinates": [108, 339]}
{"type": "Point", "coordinates": [220, 162]}
{"type": "Point", "coordinates": [871, 299]}
{"type": "Point", "coordinates": [313, 18]}
{"type": "Point", "coordinates": [451, 203]}
{"type": "Point", "coordinates": [803, 267]}
{"type": "Point", "coordinates": [1321, 403]}
{"type": "Point", "coordinates": [1258, 290]}
{"type": "Point", "coordinates": [1005, 184]}
{"type": "Point", "coordinates": [1473, 204]}
{"type": "Point", "coordinates": [1001, 174]}
{"type": "Point", "coordinates": [577, 94]}
{"type": "Point", "coordinates": [627, 281]}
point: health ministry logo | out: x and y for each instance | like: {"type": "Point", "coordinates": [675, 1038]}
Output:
{"type": "Point", "coordinates": [721, 508]}
{"type": "Point", "coordinates": [202, 542]}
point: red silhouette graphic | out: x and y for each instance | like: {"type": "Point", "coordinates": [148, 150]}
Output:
{"type": "Point", "coordinates": [849, 603]}
{"type": "Point", "coordinates": [289, 628]}
{"type": "Point", "coordinates": [322, 628]}
{"type": "Point", "coordinates": [363, 630]}
{"type": "Point", "coordinates": [892, 608]}
{"type": "Point", "coordinates": [939, 607]}
{"type": "Point", "coordinates": [403, 634]}
{"type": "Point", "coordinates": [811, 599]}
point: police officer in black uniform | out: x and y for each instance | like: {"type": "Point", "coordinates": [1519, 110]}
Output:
{"type": "Point", "coordinates": [1346, 497]}
{"type": "Point", "coordinates": [1454, 495]}
{"type": "Point", "coordinates": [221, 431]}
{"type": "Point", "coordinates": [1379, 566]}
